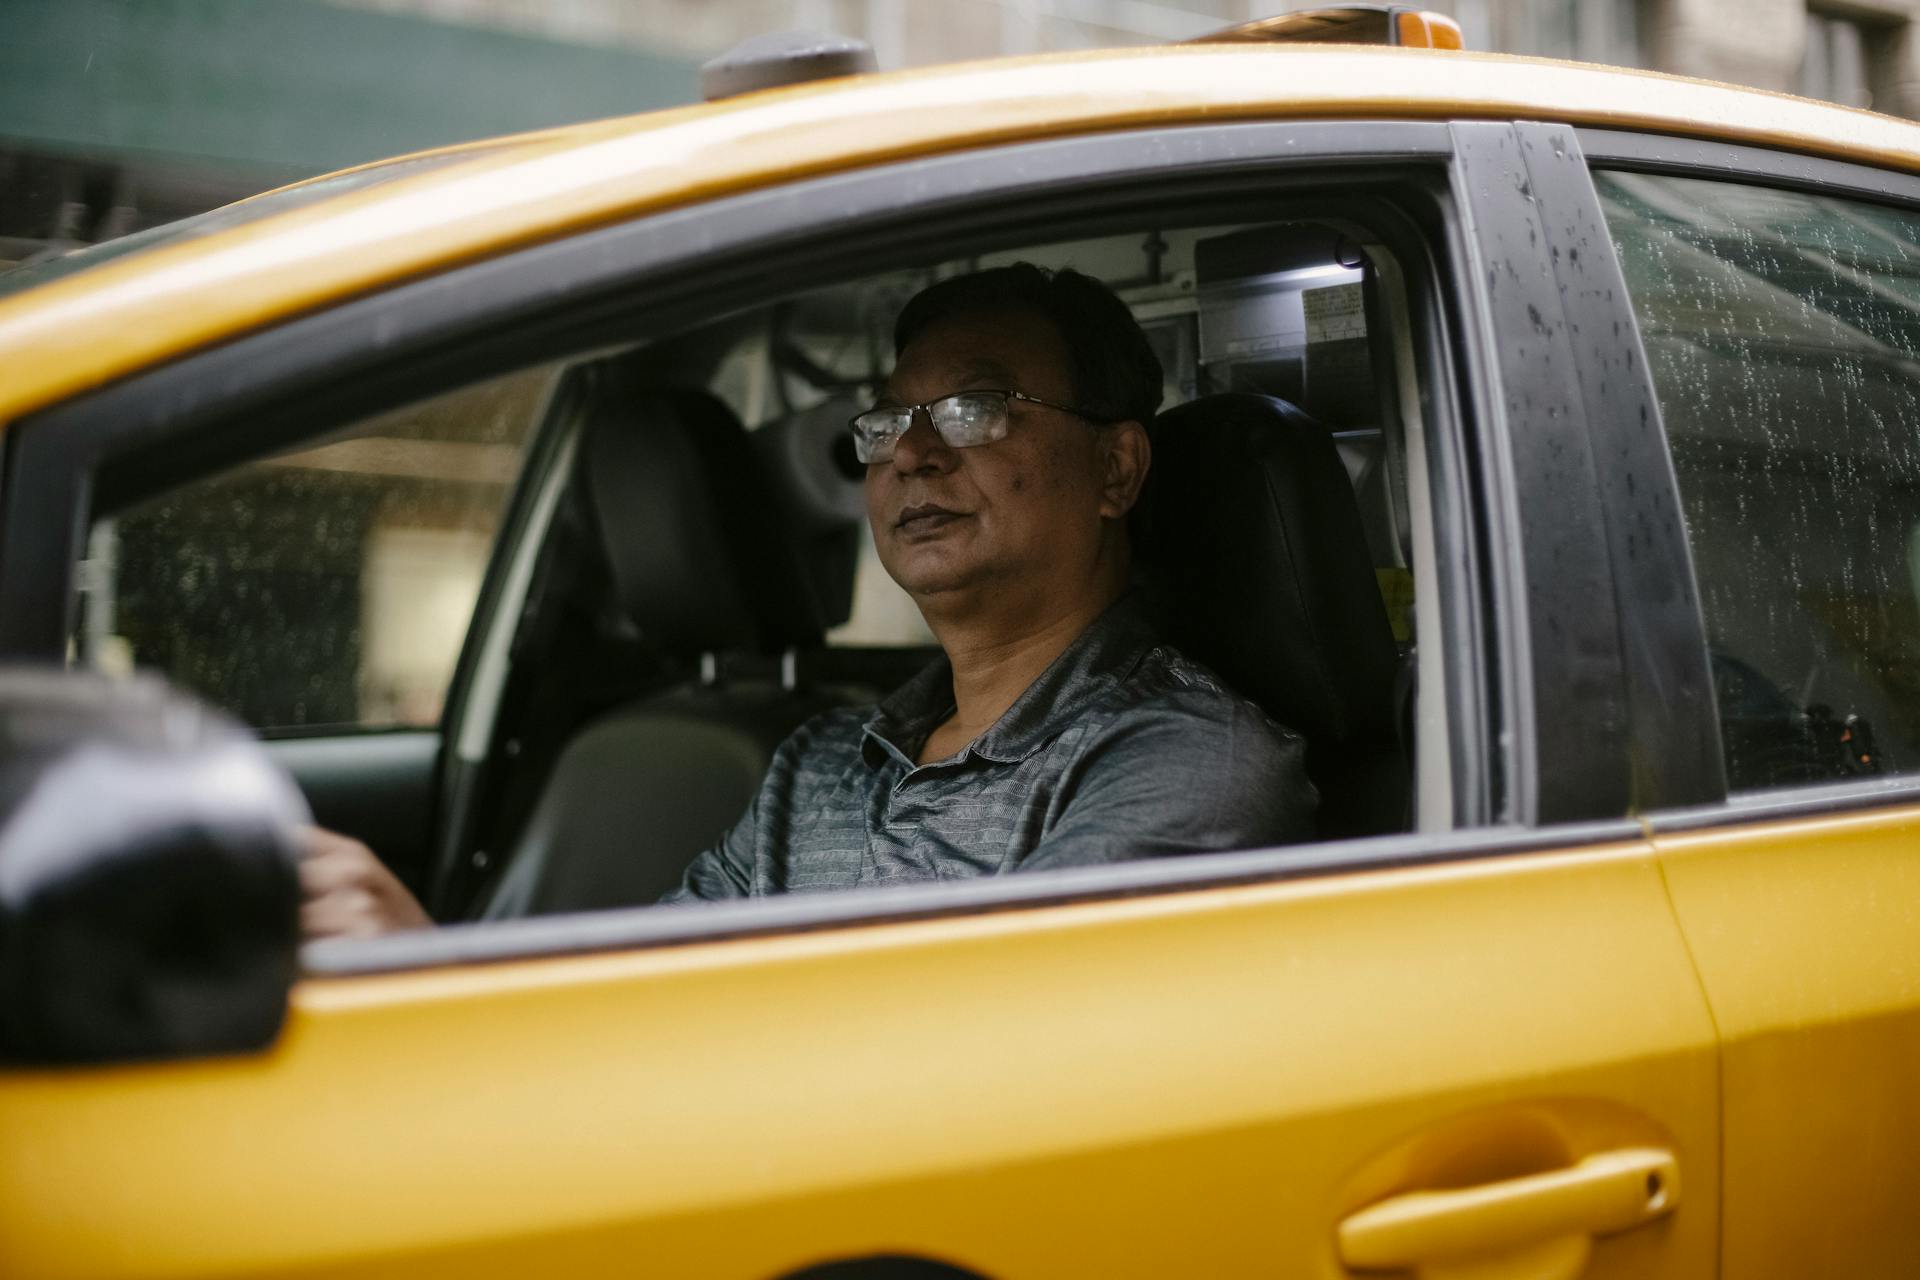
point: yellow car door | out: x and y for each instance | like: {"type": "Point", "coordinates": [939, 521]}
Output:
{"type": "Point", "coordinates": [1777, 301]}
{"type": "Point", "coordinates": [1477, 1049]}
{"type": "Point", "coordinates": [1802, 925]}
{"type": "Point", "coordinates": [1429, 1067]}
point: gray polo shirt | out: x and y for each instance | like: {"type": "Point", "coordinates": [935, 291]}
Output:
{"type": "Point", "coordinates": [1122, 748]}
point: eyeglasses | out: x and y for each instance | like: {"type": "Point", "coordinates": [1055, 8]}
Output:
{"type": "Point", "coordinates": [963, 420]}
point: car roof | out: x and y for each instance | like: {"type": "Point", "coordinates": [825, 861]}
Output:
{"type": "Point", "coordinates": [93, 326]}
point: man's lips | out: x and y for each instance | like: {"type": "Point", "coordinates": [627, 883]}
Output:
{"type": "Point", "coordinates": [926, 517]}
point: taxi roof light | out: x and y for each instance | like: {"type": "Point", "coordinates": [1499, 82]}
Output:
{"type": "Point", "coordinates": [786, 57]}
{"type": "Point", "coordinates": [1391, 24]}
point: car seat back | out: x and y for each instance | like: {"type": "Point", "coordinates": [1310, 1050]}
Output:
{"type": "Point", "coordinates": [702, 565]}
{"type": "Point", "coordinates": [1254, 546]}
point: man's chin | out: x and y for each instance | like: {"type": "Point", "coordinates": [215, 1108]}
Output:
{"type": "Point", "coordinates": [933, 577]}
{"type": "Point", "coordinates": [934, 586]}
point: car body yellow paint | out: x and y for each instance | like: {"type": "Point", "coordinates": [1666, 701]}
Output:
{"type": "Point", "coordinates": [1809, 949]}
{"type": "Point", "coordinates": [82, 331]}
{"type": "Point", "coordinates": [1189, 1084]}
{"type": "Point", "coordinates": [1029, 1092]}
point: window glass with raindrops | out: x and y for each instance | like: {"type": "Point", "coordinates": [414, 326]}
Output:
{"type": "Point", "coordinates": [1782, 330]}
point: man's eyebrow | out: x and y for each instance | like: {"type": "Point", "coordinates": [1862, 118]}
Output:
{"type": "Point", "coordinates": [987, 371]}
{"type": "Point", "coordinates": [981, 375]}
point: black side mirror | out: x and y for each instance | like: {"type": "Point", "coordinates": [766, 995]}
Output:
{"type": "Point", "coordinates": [149, 898]}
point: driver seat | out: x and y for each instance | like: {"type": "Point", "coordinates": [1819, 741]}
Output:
{"type": "Point", "coordinates": [703, 567]}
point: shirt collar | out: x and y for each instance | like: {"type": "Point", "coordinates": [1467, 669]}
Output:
{"type": "Point", "coordinates": [1100, 657]}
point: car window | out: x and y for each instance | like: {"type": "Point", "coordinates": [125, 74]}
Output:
{"type": "Point", "coordinates": [328, 586]}
{"type": "Point", "coordinates": [1783, 334]}
{"type": "Point", "coordinates": [604, 652]}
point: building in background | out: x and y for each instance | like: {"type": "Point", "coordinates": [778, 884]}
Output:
{"type": "Point", "coordinates": [1860, 53]}
{"type": "Point", "coordinates": [118, 114]}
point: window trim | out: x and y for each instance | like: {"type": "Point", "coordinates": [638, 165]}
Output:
{"type": "Point", "coordinates": [1756, 166]}
{"type": "Point", "coordinates": [1813, 800]}
{"type": "Point", "coordinates": [1760, 167]}
{"type": "Point", "coordinates": [1672, 718]}
{"type": "Point", "coordinates": [648, 927]}
{"type": "Point", "coordinates": [1604, 617]}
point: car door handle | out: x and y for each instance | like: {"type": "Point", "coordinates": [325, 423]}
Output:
{"type": "Point", "coordinates": [1552, 1215]}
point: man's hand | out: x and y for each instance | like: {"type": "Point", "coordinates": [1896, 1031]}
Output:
{"type": "Point", "coordinates": [347, 892]}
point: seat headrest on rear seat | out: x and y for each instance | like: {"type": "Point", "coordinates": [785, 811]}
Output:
{"type": "Point", "coordinates": [1251, 534]}
{"type": "Point", "coordinates": [691, 526]}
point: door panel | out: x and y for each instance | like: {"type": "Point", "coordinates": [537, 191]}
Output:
{"type": "Point", "coordinates": [1804, 933]}
{"type": "Point", "coordinates": [1202, 1083]}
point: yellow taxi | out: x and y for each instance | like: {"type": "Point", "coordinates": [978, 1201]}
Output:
{"type": "Point", "coordinates": [503, 491]}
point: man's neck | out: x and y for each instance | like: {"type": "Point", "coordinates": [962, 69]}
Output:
{"type": "Point", "coordinates": [995, 658]}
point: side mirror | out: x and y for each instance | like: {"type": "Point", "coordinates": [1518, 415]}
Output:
{"type": "Point", "coordinates": [149, 897]}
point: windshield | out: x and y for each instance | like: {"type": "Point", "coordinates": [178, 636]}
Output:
{"type": "Point", "coordinates": [39, 271]}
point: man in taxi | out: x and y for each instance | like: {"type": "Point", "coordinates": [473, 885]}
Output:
{"type": "Point", "coordinates": [1058, 730]}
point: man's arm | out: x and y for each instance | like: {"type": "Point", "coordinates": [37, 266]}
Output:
{"type": "Point", "coordinates": [347, 892]}
{"type": "Point", "coordinates": [792, 784]}
{"type": "Point", "coordinates": [723, 871]}
{"type": "Point", "coordinates": [1165, 781]}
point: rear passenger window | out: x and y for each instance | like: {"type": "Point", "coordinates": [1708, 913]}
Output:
{"type": "Point", "coordinates": [331, 586]}
{"type": "Point", "coordinates": [1783, 335]}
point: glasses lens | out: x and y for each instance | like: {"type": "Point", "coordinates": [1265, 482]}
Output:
{"type": "Point", "coordinates": [970, 418]}
{"type": "Point", "coordinates": [876, 431]}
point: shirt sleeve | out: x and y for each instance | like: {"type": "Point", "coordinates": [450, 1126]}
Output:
{"type": "Point", "coordinates": [1174, 778]}
{"type": "Point", "coordinates": [724, 871]}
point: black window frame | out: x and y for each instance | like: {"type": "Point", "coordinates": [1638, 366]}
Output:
{"type": "Point", "coordinates": [1620, 703]}
{"type": "Point", "coordinates": [1621, 150]}
{"type": "Point", "coordinates": [1502, 532]}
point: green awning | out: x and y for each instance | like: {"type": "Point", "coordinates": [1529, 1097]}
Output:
{"type": "Point", "coordinates": [294, 87]}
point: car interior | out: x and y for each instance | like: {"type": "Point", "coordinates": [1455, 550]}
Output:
{"type": "Point", "coordinates": [1273, 541]}
{"type": "Point", "coordinates": [684, 574]}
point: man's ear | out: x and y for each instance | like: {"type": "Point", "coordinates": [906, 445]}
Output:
{"type": "Point", "coordinates": [1123, 467]}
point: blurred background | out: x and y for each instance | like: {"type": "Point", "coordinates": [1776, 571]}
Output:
{"type": "Point", "coordinates": [116, 115]}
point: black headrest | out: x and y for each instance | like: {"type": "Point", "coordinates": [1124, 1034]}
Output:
{"type": "Point", "coordinates": [1254, 541]}
{"type": "Point", "coordinates": [807, 457]}
{"type": "Point", "coordinates": [690, 525]}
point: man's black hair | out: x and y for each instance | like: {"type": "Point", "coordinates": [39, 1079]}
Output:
{"type": "Point", "coordinates": [1116, 375]}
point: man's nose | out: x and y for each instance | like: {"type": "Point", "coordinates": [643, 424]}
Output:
{"type": "Point", "coordinates": [920, 448]}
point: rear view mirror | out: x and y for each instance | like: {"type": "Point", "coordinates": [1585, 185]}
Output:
{"type": "Point", "coordinates": [149, 901]}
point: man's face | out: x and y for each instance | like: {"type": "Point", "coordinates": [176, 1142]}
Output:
{"type": "Point", "coordinates": [1022, 513]}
